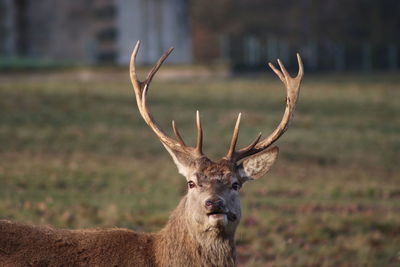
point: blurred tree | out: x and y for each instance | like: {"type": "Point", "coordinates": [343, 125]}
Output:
{"type": "Point", "coordinates": [330, 34]}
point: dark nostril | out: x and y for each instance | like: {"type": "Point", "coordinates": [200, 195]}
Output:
{"type": "Point", "coordinates": [209, 203]}
{"type": "Point", "coordinates": [216, 203]}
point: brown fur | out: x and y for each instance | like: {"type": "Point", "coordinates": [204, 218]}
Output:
{"type": "Point", "coordinates": [27, 245]}
{"type": "Point", "coordinates": [178, 244]}
{"type": "Point", "coordinates": [175, 245]}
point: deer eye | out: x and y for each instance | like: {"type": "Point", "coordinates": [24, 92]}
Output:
{"type": "Point", "coordinates": [236, 186]}
{"type": "Point", "coordinates": [191, 184]}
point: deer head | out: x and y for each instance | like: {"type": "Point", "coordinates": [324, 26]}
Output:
{"type": "Point", "coordinates": [212, 201]}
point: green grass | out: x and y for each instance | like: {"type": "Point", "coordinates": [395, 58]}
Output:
{"type": "Point", "coordinates": [75, 153]}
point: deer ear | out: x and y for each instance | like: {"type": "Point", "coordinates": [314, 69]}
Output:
{"type": "Point", "coordinates": [181, 161]}
{"type": "Point", "coordinates": [258, 164]}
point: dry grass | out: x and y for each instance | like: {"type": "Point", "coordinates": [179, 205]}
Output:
{"type": "Point", "coordinates": [74, 153]}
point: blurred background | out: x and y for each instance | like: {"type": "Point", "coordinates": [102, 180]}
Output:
{"type": "Point", "coordinates": [74, 151]}
{"type": "Point", "coordinates": [331, 35]}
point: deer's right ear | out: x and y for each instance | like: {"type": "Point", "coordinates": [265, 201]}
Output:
{"type": "Point", "coordinates": [258, 164]}
{"type": "Point", "coordinates": [181, 161]}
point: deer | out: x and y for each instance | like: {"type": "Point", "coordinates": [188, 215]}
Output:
{"type": "Point", "coordinates": [201, 229]}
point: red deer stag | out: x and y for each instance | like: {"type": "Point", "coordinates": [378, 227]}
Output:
{"type": "Point", "coordinates": [200, 231]}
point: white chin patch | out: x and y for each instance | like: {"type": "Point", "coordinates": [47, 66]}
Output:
{"type": "Point", "coordinates": [218, 219]}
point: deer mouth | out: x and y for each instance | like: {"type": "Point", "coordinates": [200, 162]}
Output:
{"type": "Point", "coordinates": [217, 219]}
{"type": "Point", "coordinates": [216, 214]}
{"type": "Point", "coordinates": [220, 215]}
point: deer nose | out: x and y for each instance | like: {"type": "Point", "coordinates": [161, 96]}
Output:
{"type": "Point", "coordinates": [214, 203]}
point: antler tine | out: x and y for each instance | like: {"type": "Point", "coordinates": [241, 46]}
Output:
{"type": "Point", "coordinates": [292, 92]}
{"type": "Point", "coordinates": [137, 85]}
{"type": "Point", "coordinates": [154, 70]}
{"type": "Point", "coordinates": [234, 139]}
{"type": "Point", "coordinates": [199, 145]}
{"type": "Point", "coordinates": [246, 151]}
{"type": "Point", "coordinates": [177, 134]}
{"type": "Point", "coordinates": [300, 73]}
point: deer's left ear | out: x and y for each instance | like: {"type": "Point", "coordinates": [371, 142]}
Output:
{"type": "Point", "coordinates": [258, 164]}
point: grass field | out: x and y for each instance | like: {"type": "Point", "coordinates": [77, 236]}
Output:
{"type": "Point", "coordinates": [75, 153]}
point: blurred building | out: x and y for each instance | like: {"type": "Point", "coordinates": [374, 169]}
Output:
{"type": "Point", "coordinates": [94, 31]}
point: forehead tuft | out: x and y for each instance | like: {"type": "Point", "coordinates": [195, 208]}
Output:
{"type": "Point", "coordinates": [209, 170]}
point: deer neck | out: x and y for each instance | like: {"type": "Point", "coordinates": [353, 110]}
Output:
{"type": "Point", "coordinates": [180, 242]}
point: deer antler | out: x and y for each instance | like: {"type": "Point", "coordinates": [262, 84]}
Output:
{"type": "Point", "coordinates": [292, 90]}
{"type": "Point", "coordinates": [141, 89]}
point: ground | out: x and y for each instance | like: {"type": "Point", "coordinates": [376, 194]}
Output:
{"type": "Point", "coordinates": [75, 153]}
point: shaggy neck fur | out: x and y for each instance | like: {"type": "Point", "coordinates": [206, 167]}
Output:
{"type": "Point", "coordinates": [181, 242]}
